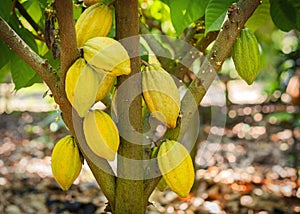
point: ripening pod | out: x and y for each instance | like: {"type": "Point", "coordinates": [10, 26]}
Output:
{"type": "Point", "coordinates": [176, 166]}
{"type": "Point", "coordinates": [161, 95]}
{"type": "Point", "coordinates": [246, 56]}
{"type": "Point", "coordinates": [106, 83]}
{"type": "Point", "coordinates": [81, 86]}
{"type": "Point", "coordinates": [101, 134]}
{"type": "Point", "coordinates": [95, 21]}
{"type": "Point", "coordinates": [107, 54]}
{"type": "Point", "coordinates": [66, 163]}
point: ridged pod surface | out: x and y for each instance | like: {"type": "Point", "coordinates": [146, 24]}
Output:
{"type": "Point", "coordinates": [246, 56]}
{"type": "Point", "coordinates": [81, 86]}
{"type": "Point", "coordinates": [176, 167]}
{"type": "Point", "coordinates": [95, 21]}
{"type": "Point", "coordinates": [66, 162]}
{"type": "Point", "coordinates": [106, 83]}
{"type": "Point", "coordinates": [161, 95]}
{"type": "Point", "coordinates": [101, 134]}
{"type": "Point", "coordinates": [107, 54]}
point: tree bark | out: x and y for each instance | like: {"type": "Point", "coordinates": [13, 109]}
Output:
{"type": "Point", "coordinates": [69, 53]}
{"type": "Point", "coordinates": [129, 191]}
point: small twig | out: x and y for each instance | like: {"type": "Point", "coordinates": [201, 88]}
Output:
{"type": "Point", "coordinates": [112, 3]}
{"type": "Point", "coordinates": [24, 13]}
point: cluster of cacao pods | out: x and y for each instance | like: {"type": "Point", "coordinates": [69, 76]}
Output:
{"type": "Point", "coordinates": [246, 56]}
{"type": "Point", "coordinates": [90, 78]}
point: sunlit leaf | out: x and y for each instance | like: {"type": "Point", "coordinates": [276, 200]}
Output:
{"type": "Point", "coordinates": [260, 16]}
{"type": "Point", "coordinates": [215, 14]}
{"type": "Point", "coordinates": [183, 13]}
{"type": "Point", "coordinates": [34, 9]}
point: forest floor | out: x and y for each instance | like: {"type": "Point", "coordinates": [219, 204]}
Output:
{"type": "Point", "coordinates": [255, 168]}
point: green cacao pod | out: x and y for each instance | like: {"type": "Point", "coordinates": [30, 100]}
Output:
{"type": "Point", "coordinates": [176, 167]}
{"type": "Point", "coordinates": [161, 95]}
{"type": "Point", "coordinates": [246, 56]}
{"type": "Point", "coordinates": [81, 86]}
{"type": "Point", "coordinates": [101, 134]}
{"type": "Point", "coordinates": [95, 21]}
{"type": "Point", "coordinates": [107, 54]}
{"type": "Point", "coordinates": [66, 163]}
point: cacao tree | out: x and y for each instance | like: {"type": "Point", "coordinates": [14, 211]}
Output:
{"type": "Point", "coordinates": [110, 51]}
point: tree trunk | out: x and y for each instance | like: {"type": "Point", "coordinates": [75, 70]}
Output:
{"type": "Point", "coordinates": [129, 185]}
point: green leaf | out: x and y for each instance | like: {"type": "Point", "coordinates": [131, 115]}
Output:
{"type": "Point", "coordinates": [22, 74]}
{"type": "Point", "coordinates": [215, 14]}
{"type": "Point", "coordinates": [25, 34]}
{"type": "Point", "coordinates": [284, 14]}
{"type": "Point", "coordinates": [5, 9]}
{"type": "Point", "coordinates": [34, 8]}
{"type": "Point", "coordinates": [55, 63]}
{"type": "Point", "coordinates": [296, 5]}
{"type": "Point", "coordinates": [183, 13]}
{"type": "Point", "coordinates": [260, 16]}
{"type": "Point", "coordinates": [144, 53]}
{"type": "Point", "coordinates": [4, 71]}
{"type": "Point", "coordinates": [5, 51]}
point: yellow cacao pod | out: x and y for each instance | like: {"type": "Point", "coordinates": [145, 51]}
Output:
{"type": "Point", "coordinates": [107, 54]}
{"type": "Point", "coordinates": [95, 21]}
{"type": "Point", "coordinates": [176, 167]}
{"type": "Point", "coordinates": [106, 83]}
{"type": "Point", "coordinates": [66, 163]}
{"type": "Point", "coordinates": [101, 134]}
{"type": "Point", "coordinates": [161, 95]}
{"type": "Point", "coordinates": [81, 86]}
{"type": "Point", "coordinates": [246, 56]}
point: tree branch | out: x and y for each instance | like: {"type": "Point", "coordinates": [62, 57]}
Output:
{"type": "Point", "coordinates": [238, 14]}
{"type": "Point", "coordinates": [40, 65]}
{"type": "Point", "coordinates": [69, 54]}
